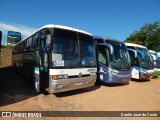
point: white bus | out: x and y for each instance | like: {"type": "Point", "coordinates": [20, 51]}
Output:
{"type": "Point", "coordinates": [141, 61]}
{"type": "Point", "coordinates": [57, 58]}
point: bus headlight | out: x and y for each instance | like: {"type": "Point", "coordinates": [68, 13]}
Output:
{"type": "Point", "coordinates": [92, 73]}
{"type": "Point", "coordinates": [54, 77]}
{"type": "Point", "coordinates": [63, 76]}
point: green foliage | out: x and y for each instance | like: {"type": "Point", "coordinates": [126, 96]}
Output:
{"type": "Point", "coordinates": [148, 35]}
{"type": "Point", "coordinates": [8, 46]}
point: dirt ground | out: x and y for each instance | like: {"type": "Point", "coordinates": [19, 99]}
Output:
{"type": "Point", "coordinates": [18, 94]}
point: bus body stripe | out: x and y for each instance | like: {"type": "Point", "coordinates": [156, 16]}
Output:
{"type": "Point", "coordinates": [72, 72]}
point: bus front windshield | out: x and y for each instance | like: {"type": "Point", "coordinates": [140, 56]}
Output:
{"type": "Point", "coordinates": [72, 49]}
{"type": "Point", "coordinates": [120, 58]}
{"type": "Point", "coordinates": [145, 59]}
{"type": "Point", "coordinates": [156, 60]}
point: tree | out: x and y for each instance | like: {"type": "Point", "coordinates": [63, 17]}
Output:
{"type": "Point", "coordinates": [148, 35]}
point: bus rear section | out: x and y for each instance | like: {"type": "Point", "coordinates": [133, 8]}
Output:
{"type": "Point", "coordinates": [113, 61]}
{"type": "Point", "coordinates": [141, 62]}
{"type": "Point", "coordinates": [156, 61]}
{"type": "Point", "coordinates": [62, 58]}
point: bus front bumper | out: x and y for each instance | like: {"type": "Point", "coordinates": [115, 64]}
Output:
{"type": "Point", "coordinates": [62, 85]}
{"type": "Point", "coordinates": [146, 75]}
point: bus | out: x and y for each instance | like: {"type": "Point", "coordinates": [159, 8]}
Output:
{"type": "Point", "coordinates": [13, 37]}
{"type": "Point", "coordinates": [57, 58]}
{"type": "Point", "coordinates": [156, 61]}
{"type": "Point", "coordinates": [113, 61]}
{"type": "Point", "coordinates": [141, 61]}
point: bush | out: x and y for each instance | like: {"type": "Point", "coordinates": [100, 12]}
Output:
{"type": "Point", "coordinates": [8, 46]}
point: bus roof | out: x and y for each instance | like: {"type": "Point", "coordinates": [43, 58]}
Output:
{"type": "Point", "coordinates": [158, 54]}
{"type": "Point", "coordinates": [135, 45]}
{"type": "Point", "coordinates": [58, 26]}
{"type": "Point", "coordinates": [107, 39]}
{"type": "Point", "coordinates": [64, 27]}
{"type": "Point", "coordinates": [151, 51]}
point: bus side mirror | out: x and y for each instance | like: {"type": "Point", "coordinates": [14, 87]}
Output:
{"type": "Point", "coordinates": [48, 41]}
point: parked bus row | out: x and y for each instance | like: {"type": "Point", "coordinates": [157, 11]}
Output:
{"type": "Point", "coordinates": [59, 58]}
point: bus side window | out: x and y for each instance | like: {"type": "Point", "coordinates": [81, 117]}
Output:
{"type": "Point", "coordinates": [140, 60]}
{"type": "Point", "coordinates": [29, 43]}
{"type": "Point", "coordinates": [18, 48]}
{"type": "Point", "coordinates": [23, 46]}
{"type": "Point", "coordinates": [36, 40]}
{"type": "Point", "coordinates": [102, 56]}
{"type": "Point", "coordinates": [32, 45]}
{"type": "Point", "coordinates": [132, 60]}
{"type": "Point", "coordinates": [48, 40]}
{"type": "Point", "coordinates": [43, 44]}
{"type": "Point", "coordinates": [45, 39]}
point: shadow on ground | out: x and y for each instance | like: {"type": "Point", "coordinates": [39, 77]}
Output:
{"type": "Point", "coordinates": [89, 89]}
{"type": "Point", "coordinates": [115, 84]}
{"type": "Point", "coordinates": [140, 81]}
{"type": "Point", "coordinates": [14, 88]}
{"type": "Point", "coordinates": [155, 78]}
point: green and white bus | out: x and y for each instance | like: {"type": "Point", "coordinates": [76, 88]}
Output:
{"type": "Point", "coordinates": [13, 37]}
{"type": "Point", "coordinates": [57, 58]}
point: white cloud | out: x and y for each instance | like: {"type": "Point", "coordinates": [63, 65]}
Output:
{"type": "Point", "coordinates": [26, 31]}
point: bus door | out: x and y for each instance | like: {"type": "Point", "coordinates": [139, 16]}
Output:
{"type": "Point", "coordinates": [103, 52]}
{"type": "Point", "coordinates": [41, 69]}
{"type": "Point", "coordinates": [36, 61]}
{"type": "Point", "coordinates": [134, 63]}
{"type": "Point", "coordinates": [44, 59]}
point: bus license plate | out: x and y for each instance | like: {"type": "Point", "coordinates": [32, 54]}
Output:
{"type": "Point", "coordinates": [79, 83]}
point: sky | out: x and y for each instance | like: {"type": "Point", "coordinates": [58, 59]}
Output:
{"type": "Point", "coordinates": [112, 18]}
